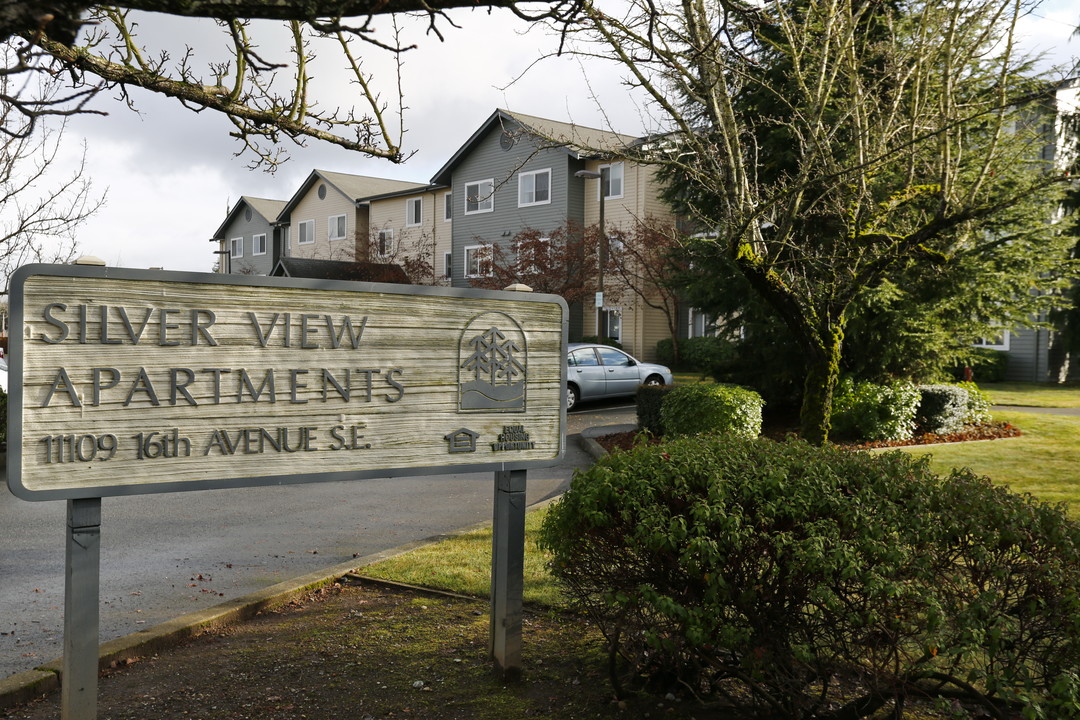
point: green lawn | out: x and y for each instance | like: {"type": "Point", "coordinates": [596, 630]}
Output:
{"type": "Point", "coordinates": [1033, 394]}
{"type": "Point", "coordinates": [1045, 461]}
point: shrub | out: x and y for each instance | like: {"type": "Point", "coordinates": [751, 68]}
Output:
{"type": "Point", "coordinates": [978, 404]}
{"type": "Point", "coordinates": [649, 400]}
{"type": "Point", "coordinates": [700, 354]}
{"type": "Point", "coordinates": [865, 411]}
{"type": "Point", "coordinates": [711, 408]}
{"type": "Point", "coordinates": [942, 409]}
{"type": "Point", "coordinates": [799, 582]}
{"type": "Point", "coordinates": [665, 353]}
{"type": "Point", "coordinates": [988, 366]}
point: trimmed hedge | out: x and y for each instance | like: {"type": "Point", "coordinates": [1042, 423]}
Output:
{"type": "Point", "coordinates": [978, 404]}
{"type": "Point", "coordinates": [865, 411]}
{"type": "Point", "coordinates": [943, 409]}
{"type": "Point", "coordinates": [649, 400]}
{"type": "Point", "coordinates": [787, 581]}
{"type": "Point", "coordinates": [711, 408]}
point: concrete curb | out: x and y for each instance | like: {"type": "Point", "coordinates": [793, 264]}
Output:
{"type": "Point", "coordinates": [25, 686]}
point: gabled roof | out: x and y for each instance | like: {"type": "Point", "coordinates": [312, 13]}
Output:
{"type": "Point", "coordinates": [340, 270]}
{"type": "Point", "coordinates": [358, 188]}
{"type": "Point", "coordinates": [267, 209]}
{"type": "Point", "coordinates": [577, 140]}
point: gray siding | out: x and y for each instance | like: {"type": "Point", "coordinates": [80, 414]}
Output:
{"type": "Point", "coordinates": [243, 227]}
{"type": "Point", "coordinates": [1027, 356]}
{"type": "Point", "coordinates": [490, 161]}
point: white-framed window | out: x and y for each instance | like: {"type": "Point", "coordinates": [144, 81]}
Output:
{"type": "Point", "coordinates": [698, 324]}
{"type": "Point", "coordinates": [534, 188]}
{"type": "Point", "coordinates": [448, 207]}
{"type": "Point", "coordinates": [414, 211]}
{"type": "Point", "coordinates": [236, 247]}
{"type": "Point", "coordinates": [535, 256]}
{"type": "Point", "coordinates": [997, 342]}
{"type": "Point", "coordinates": [384, 245]}
{"type": "Point", "coordinates": [479, 197]}
{"type": "Point", "coordinates": [477, 261]}
{"type": "Point", "coordinates": [258, 244]}
{"type": "Point", "coordinates": [305, 232]}
{"type": "Point", "coordinates": [336, 227]}
{"type": "Point", "coordinates": [613, 188]}
{"type": "Point", "coordinates": [448, 264]}
{"type": "Point", "coordinates": [611, 324]}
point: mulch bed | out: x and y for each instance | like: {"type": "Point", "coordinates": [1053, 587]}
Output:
{"type": "Point", "coordinates": [986, 431]}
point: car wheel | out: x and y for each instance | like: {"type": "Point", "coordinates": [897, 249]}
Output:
{"type": "Point", "coordinates": [572, 396]}
{"type": "Point", "coordinates": [653, 381]}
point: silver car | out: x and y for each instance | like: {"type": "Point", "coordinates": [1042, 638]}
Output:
{"type": "Point", "coordinates": [599, 371]}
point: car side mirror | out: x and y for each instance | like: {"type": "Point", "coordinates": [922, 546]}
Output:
{"type": "Point", "coordinates": [631, 362]}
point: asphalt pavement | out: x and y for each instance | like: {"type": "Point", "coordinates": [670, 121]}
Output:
{"type": "Point", "coordinates": [168, 555]}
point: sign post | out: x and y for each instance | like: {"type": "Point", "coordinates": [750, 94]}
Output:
{"type": "Point", "coordinates": [129, 382]}
{"type": "Point", "coordinates": [78, 689]}
{"type": "Point", "coordinates": [507, 571]}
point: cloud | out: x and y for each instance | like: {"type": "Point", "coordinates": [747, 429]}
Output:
{"type": "Point", "coordinates": [172, 173]}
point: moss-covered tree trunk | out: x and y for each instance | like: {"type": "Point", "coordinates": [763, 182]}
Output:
{"type": "Point", "coordinates": [822, 372]}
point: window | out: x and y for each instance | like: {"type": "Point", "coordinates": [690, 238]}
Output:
{"type": "Point", "coordinates": [335, 227]}
{"type": "Point", "coordinates": [611, 356]}
{"type": "Point", "coordinates": [414, 212]}
{"type": "Point", "coordinates": [385, 244]}
{"type": "Point", "coordinates": [258, 244]}
{"type": "Point", "coordinates": [611, 325]}
{"type": "Point", "coordinates": [613, 188]}
{"type": "Point", "coordinates": [698, 324]}
{"type": "Point", "coordinates": [305, 232]}
{"type": "Point", "coordinates": [477, 261]}
{"type": "Point", "coordinates": [448, 207]}
{"type": "Point", "coordinates": [479, 197]}
{"type": "Point", "coordinates": [448, 264]}
{"type": "Point", "coordinates": [998, 342]}
{"type": "Point", "coordinates": [582, 357]}
{"type": "Point", "coordinates": [534, 256]}
{"type": "Point", "coordinates": [534, 188]}
{"type": "Point", "coordinates": [236, 247]}
{"type": "Point", "coordinates": [285, 240]}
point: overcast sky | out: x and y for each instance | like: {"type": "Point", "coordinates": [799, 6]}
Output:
{"type": "Point", "coordinates": [171, 175]}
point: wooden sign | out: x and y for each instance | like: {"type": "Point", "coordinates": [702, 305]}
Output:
{"type": "Point", "coordinates": [127, 381]}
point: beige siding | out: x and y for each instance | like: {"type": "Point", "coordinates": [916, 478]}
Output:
{"type": "Point", "coordinates": [640, 198]}
{"type": "Point", "coordinates": [428, 241]}
{"type": "Point", "coordinates": [642, 326]}
{"type": "Point", "coordinates": [311, 207]}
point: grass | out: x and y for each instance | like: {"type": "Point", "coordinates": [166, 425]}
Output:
{"type": "Point", "coordinates": [1033, 394]}
{"type": "Point", "coordinates": [1045, 461]}
{"type": "Point", "coordinates": [463, 564]}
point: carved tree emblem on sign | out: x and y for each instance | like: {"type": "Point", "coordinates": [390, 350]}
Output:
{"type": "Point", "coordinates": [492, 368]}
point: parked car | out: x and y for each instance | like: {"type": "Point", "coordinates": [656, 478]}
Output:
{"type": "Point", "coordinates": [599, 371]}
{"type": "Point", "coordinates": [3, 373]}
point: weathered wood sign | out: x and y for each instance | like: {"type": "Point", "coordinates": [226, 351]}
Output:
{"type": "Point", "coordinates": [127, 381]}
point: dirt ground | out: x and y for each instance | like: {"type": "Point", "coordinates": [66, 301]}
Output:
{"type": "Point", "coordinates": [367, 652]}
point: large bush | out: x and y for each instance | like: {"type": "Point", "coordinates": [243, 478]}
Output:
{"type": "Point", "coordinates": [796, 582]}
{"type": "Point", "coordinates": [866, 411]}
{"type": "Point", "coordinates": [649, 400]}
{"type": "Point", "coordinates": [711, 408]}
{"type": "Point", "coordinates": [943, 409]}
{"type": "Point", "coordinates": [699, 354]}
{"type": "Point", "coordinates": [978, 404]}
